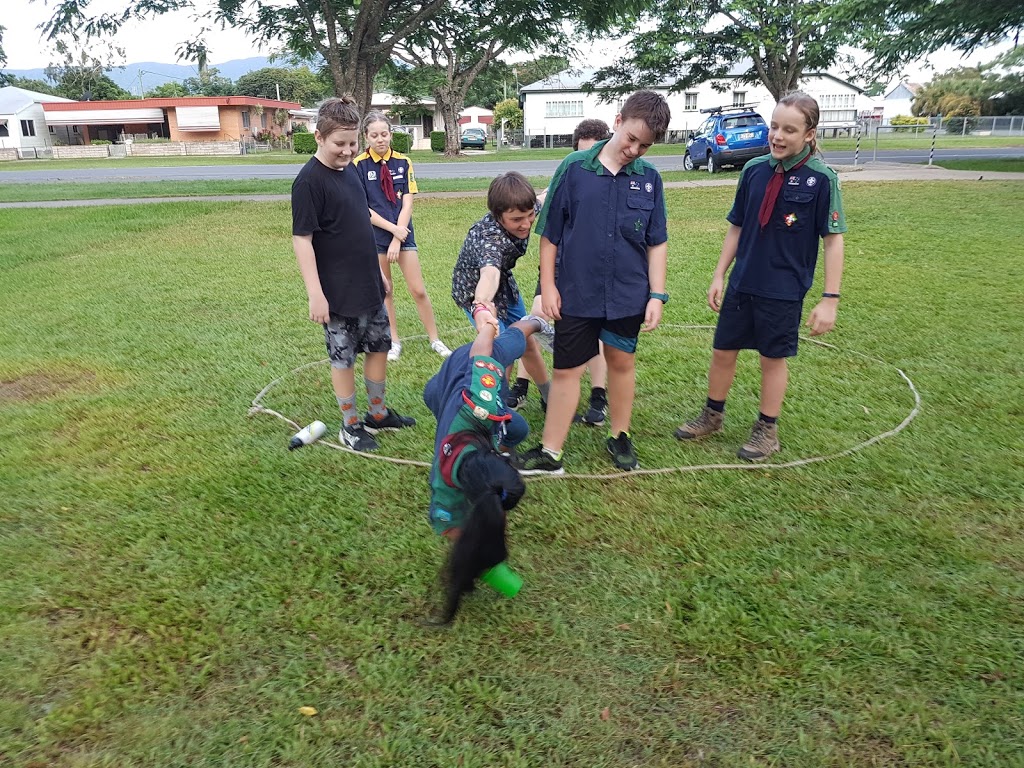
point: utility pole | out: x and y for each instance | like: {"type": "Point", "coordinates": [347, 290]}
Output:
{"type": "Point", "coordinates": [278, 87]}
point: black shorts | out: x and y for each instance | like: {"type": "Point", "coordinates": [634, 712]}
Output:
{"type": "Point", "coordinates": [576, 338]}
{"type": "Point", "coordinates": [771, 326]}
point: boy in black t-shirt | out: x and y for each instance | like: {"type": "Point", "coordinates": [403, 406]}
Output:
{"type": "Point", "coordinates": [333, 242]}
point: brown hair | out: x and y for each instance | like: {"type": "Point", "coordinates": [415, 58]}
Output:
{"type": "Point", "coordinates": [650, 107]}
{"type": "Point", "coordinates": [510, 191]}
{"type": "Point", "coordinates": [590, 129]}
{"type": "Point", "coordinates": [808, 108]}
{"type": "Point", "coordinates": [337, 113]}
{"type": "Point", "coordinates": [375, 116]}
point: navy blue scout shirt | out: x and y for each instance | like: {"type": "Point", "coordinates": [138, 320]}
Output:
{"type": "Point", "coordinates": [331, 206]}
{"type": "Point", "coordinates": [778, 262]}
{"type": "Point", "coordinates": [603, 225]}
{"type": "Point", "coordinates": [404, 182]}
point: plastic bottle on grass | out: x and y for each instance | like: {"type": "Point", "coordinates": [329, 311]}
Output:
{"type": "Point", "coordinates": [307, 435]}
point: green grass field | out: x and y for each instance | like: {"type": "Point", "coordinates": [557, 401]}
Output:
{"type": "Point", "coordinates": [1006, 164]}
{"type": "Point", "coordinates": [176, 584]}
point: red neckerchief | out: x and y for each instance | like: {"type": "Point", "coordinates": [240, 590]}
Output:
{"type": "Point", "coordinates": [771, 192]}
{"type": "Point", "coordinates": [386, 184]}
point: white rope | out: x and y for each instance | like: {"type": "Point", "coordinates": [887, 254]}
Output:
{"type": "Point", "coordinates": [257, 407]}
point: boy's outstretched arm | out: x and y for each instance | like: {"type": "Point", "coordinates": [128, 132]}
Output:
{"type": "Point", "coordinates": [823, 317]}
{"type": "Point", "coordinates": [717, 288]}
{"type": "Point", "coordinates": [319, 309]}
{"type": "Point", "coordinates": [486, 330]}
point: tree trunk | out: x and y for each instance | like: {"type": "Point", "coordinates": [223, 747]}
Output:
{"type": "Point", "coordinates": [449, 104]}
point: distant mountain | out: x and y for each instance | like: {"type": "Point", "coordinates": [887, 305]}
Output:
{"type": "Point", "coordinates": [156, 73]}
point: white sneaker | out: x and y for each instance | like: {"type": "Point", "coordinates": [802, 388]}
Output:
{"type": "Point", "coordinates": [395, 352]}
{"type": "Point", "coordinates": [439, 346]}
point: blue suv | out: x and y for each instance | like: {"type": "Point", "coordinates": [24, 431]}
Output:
{"type": "Point", "coordinates": [730, 136]}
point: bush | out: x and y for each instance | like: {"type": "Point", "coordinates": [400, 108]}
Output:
{"type": "Point", "coordinates": [437, 141]}
{"type": "Point", "coordinates": [401, 142]}
{"type": "Point", "coordinates": [908, 122]}
{"type": "Point", "coordinates": [961, 125]}
{"type": "Point", "coordinates": [304, 143]}
{"type": "Point", "coordinates": [300, 128]}
{"type": "Point", "coordinates": [96, 142]}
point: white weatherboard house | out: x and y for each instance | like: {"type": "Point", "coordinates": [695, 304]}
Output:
{"type": "Point", "coordinates": [899, 101]}
{"type": "Point", "coordinates": [554, 106]}
{"type": "Point", "coordinates": [22, 121]}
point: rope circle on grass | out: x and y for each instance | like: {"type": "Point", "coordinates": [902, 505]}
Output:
{"type": "Point", "coordinates": [258, 407]}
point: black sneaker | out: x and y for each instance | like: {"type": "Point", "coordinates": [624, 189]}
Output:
{"type": "Point", "coordinates": [391, 421]}
{"type": "Point", "coordinates": [517, 394]}
{"type": "Point", "coordinates": [537, 461]}
{"type": "Point", "coordinates": [596, 413]}
{"type": "Point", "coordinates": [622, 451]}
{"type": "Point", "coordinates": [356, 437]}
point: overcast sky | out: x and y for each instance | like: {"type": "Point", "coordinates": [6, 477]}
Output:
{"type": "Point", "coordinates": [158, 40]}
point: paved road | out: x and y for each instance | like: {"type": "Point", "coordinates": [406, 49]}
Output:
{"type": "Point", "coordinates": [442, 170]}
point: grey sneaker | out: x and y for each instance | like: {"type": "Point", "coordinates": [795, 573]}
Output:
{"type": "Point", "coordinates": [537, 461]}
{"type": "Point", "coordinates": [546, 334]}
{"type": "Point", "coordinates": [357, 438]}
{"type": "Point", "coordinates": [763, 442]}
{"type": "Point", "coordinates": [596, 413]}
{"type": "Point", "coordinates": [517, 394]}
{"type": "Point", "coordinates": [707, 423]}
{"type": "Point", "coordinates": [391, 421]}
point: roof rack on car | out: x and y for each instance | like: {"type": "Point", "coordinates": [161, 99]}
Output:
{"type": "Point", "coordinates": [737, 108]}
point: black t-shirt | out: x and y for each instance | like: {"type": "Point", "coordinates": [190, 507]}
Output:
{"type": "Point", "coordinates": [331, 206]}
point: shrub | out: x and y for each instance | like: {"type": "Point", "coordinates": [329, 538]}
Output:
{"type": "Point", "coordinates": [906, 122]}
{"type": "Point", "coordinates": [300, 128]}
{"type": "Point", "coordinates": [304, 143]}
{"type": "Point", "coordinates": [961, 125]}
{"type": "Point", "coordinates": [96, 142]}
{"type": "Point", "coordinates": [401, 142]}
{"type": "Point", "coordinates": [437, 141]}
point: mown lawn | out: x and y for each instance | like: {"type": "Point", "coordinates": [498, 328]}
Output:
{"type": "Point", "coordinates": [1005, 164]}
{"type": "Point", "coordinates": [176, 584]}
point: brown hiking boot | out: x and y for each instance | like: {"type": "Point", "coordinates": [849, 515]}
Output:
{"type": "Point", "coordinates": [709, 422]}
{"type": "Point", "coordinates": [763, 442]}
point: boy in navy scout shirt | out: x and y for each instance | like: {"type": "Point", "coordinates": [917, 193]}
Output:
{"type": "Point", "coordinates": [785, 203]}
{"type": "Point", "coordinates": [605, 215]}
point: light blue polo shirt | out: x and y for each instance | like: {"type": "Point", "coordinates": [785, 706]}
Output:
{"type": "Point", "coordinates": [603, 226]}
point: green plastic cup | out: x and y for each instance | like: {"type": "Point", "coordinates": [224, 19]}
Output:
{"type": "Point", "coordinates": [503, 580]}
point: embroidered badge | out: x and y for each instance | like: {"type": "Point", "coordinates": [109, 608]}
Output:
{"type": "Point", "coordinates": [812, 180]}
{"type": "Point", "coordinates": [649, 187]}
{"type": "Point", "coordinates": [488, 381]}
{"type": "Point", "coordinates": [443, 516]}
{"type": "Point", "coordinates": [480, 412]}
{"type": "Point", "coordinates": [794, 181]}
{"type": "Point", "coordinates": [480, 364]}
{"type": "Point", "coordinates": [446, 449]}
{"type": "Point", "coordinates": [638, 224]}
{"type": "Point", "coordinates": [790, 219]}
{"type": "Point", "coordinates": [835, 215]}
{"type": "Point", "coordinates": [634, 186]}
{"type": "Point", "coordinates": [371, 175]}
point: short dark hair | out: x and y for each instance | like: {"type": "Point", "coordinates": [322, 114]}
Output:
{"type": "Point", "coordinates": [337, 113]}
{"type": "Point", "coordinates": [650, 107]}
{"type": "Point", "coordinates": [592, 128]}
{"type": "Point", "coordinates": [510, 191]}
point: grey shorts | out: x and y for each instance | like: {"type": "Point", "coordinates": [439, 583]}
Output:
{"type": "Point", "coordinates": [348, 336]}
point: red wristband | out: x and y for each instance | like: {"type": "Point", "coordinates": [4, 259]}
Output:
{"type": "Point", "coordinates": [478, 307]}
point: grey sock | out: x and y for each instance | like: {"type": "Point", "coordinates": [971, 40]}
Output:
{"type": "Point", "coordinates": [375, 394]}
{"type": "Point", "coordinates": [349, 414]}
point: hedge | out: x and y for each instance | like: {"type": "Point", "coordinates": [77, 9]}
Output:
{"type": "Point", "coordinates": [401, 142]}
{"type": "Point", "coordinates": [437, 141]}
{"type": "Point", "coordinates": [304, 143]}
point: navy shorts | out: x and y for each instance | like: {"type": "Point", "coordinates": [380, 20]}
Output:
{"type": "Point", "coordinates": [348, 336]}
{"type": "Point", "coordinates": [576, 338]}
{"type": "Point", "coordinates": [383, 240]}
{"type": "Point", "coordinates": [771, 326]}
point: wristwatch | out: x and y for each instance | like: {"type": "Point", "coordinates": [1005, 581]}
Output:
{"type": "Point", "coordinates": [662, 297]}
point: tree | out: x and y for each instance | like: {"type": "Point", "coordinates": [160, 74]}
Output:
{"type": "Point", "coordinates": [971, 91]}
{"type": "Point", "coordinates": [499, 81]}
{"type": "Point", "coordinates": [4, 77]}
{"type": "Point", "coordinates": [295, 84]}
{"type": "Point", "coordinates": [30, 84]}
{"type": "Point", "coordinates": [454, 46]}
{"type": "Point", "coordinates": [167, 91]}
{"type": "Point", "coordinates": [82, 76]}
{"type": "Point", "coordinates": [209, 83]}
{"type": "Point", "coordinates": [897, 32]}
{"type": "Point", "coordinates": [354, 38]}
{"type": "Point", "coordinates": [508, 115]}
{"type": "Point", "coordinates": [693, 41]}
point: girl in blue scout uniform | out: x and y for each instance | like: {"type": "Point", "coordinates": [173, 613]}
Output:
{"type": "Point", "coordinates": [784, 203]}
{"type": "Point", "coordinates": [472, 484]}
{"type": "Point", "coordinates": [390, 185]}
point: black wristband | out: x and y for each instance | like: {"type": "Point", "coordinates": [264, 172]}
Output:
{"type": "Point", "coordinates": [830, 295]}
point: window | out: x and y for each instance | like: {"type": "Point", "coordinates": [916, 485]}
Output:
{"type": "Point", "coordinates": [4, 132]}
{"type": "Point", "coordinates": [691, 102]}
{"type": "Point", "coordinates": [53, 129]}
{"type": "Point", "coordinates": [74, 129]}
{"type": "Point", "coordinates": [563, 109]}
{"type": "Point", "coordinates": [28, 128]}
{"type": "Point", "coordinates": [245, 118]}
{"type": "Point", "coordinates": [739, 98]}
{"type": "Point", "coordinates": [263, 119]}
